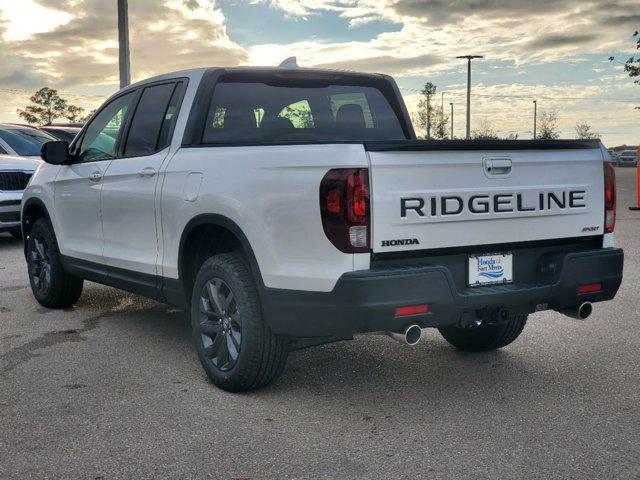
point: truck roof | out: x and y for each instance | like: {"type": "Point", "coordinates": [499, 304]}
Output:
{"type": "Point", "coordinates": [194, 73]}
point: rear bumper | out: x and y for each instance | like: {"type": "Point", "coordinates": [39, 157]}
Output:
{"type": "Point", "coordinates": [365, 301]}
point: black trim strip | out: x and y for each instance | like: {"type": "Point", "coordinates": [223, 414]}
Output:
{"type": "Point", "coordinates": [9, 203]}
{"type": "Point", "coordinates": [438, 145]}
{"type": "Point", "coordinates": [594, 241]}
{"type": "Point", "coordinates": [135, 282]}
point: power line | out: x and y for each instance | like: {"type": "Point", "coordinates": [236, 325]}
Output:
{"type": "Point", "coordinates": [65, 94]}
{"type": "Point", "coordinates": [531, 97]}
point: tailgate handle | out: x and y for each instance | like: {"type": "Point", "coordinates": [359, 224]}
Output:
{"type": "Point", "coordinates": [497, 166]}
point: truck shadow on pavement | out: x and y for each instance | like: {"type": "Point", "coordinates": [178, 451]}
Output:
{"type": "Point", "coordinates": [430, 375]}
{"type": "Point", "coordinates": [6, 242]}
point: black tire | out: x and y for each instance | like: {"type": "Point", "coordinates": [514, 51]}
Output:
{"type": "Point", "coordinates": [52, 286]}
{"type": "Point", "coordinates": [486, 336]}
{"type": "Point", "coordinates": [17, 233]}
{"type": "Point", "coordinates": [239, 352]}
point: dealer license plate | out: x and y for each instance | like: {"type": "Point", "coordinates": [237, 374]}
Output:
{"type": "Point", "coordinates": [490, 269]}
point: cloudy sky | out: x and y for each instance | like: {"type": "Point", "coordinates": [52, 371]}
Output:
{"type": "Point", "coordinates": [555, 51]}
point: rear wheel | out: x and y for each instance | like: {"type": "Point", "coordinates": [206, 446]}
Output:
{"type": "Point", "coordinates": [52, 286]}
{"type": "Point", "coordinates": [486, 336]}
{"type": "Point", "coordinates": [235, 345]}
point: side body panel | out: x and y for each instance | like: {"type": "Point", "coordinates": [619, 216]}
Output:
{"type": "Point", "coordinates": [41, 189]}
{"type": "Point", "coordinates": [76, 203]}
{"type": "Point", "coordinates": [272, 194]}
{"type": "Point", "coordinates": [128, 213]}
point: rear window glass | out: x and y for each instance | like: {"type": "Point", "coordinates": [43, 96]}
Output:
{"type": "Point", "coordinates": [276, 112]}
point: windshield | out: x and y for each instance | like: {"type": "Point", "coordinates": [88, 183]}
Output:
{"type": "Point", "coordinates": [298, 111]}
{"type": "Point", "coordinates": [26, 142]}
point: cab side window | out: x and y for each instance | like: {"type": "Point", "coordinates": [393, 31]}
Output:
{"type": "Point", "coordinates": [153, 120]}
{"type": "Point", "coordinates": [100, 138]}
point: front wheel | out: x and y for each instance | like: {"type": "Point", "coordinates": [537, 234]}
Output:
{"type": "Point", "coordinates": [486, 336]}
{"type": "Point", "coordinates": [52, 286]}
{"type": "Point", "coordinates": [236, 347]}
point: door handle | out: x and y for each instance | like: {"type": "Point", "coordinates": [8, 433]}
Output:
{"type": "Point", "coordinates": [147, 172]}
{"type": "Point", "coordinates": [95, 177]}
{"type": "Point", "coordinates": [497, 166]}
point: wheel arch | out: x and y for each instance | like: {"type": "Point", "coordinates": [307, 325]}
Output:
{"type": "Point", "coordinates": [228, 232]}
{"type": "Point", "coordinates": [32, 209]}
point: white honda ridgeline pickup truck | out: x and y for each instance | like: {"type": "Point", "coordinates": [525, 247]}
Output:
{"type": "Point", "coordinates": [287, 208]}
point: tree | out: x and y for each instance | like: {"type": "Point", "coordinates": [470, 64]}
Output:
{"type": "Point", "coordinates": [583, 131]}
{"type": "Point", "coordinates": [86, 118]}
{"type": "Point", "coordinates": [632, 65]}
{"type": "Point", "coordinates": [299, 115]}
{"type": "Point", "coordinates": [484, 132]}
{"type": "Point", "coordinates": [425, 118]}
{"type": "Point", "coordinates": [548, 125]}
{"type": "Point", "coordinates": [74, 113]}
{"type": "Point", "coordinates": [441, 124]}
{"type": "Point", "coordinates": [46, 106]}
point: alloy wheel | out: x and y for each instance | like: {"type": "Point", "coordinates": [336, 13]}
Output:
{"type": "Point", "coordinates": [41, 269]}
{"type": "Point", "coordinates": [220, 324]}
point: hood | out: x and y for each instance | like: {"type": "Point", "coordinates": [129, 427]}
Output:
{"type": "Point", "coordinates": [27, 164]}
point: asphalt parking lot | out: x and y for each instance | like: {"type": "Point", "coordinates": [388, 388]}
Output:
{"type": "Point", "coordinates": [113, 389]}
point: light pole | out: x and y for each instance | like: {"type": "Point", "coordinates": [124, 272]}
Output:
{"type": "Point", "coordinates": [123, 43]}
{"type": "Point", "coordinates": [451, 104]}
{"type": "Point", "coordinates": [535, 118]}
{"type": "Point", "coordinates": [469, 58]}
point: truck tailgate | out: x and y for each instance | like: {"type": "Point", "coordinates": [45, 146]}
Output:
{"type": "Point", "coordinates": [426, 199]}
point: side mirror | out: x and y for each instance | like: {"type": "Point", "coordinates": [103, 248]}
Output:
{"type": "Point", "coordinates": [55, 153]}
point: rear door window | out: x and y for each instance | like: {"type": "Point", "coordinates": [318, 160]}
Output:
{"type": "Point", "coordinates": [151, 121]}
{"type": "Point", "coordinates": [298, 110]}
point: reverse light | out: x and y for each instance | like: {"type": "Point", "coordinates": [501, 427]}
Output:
{"type": "Point", "coordinates": [412, 310]}
{"type": "Point", "coordinates": [609, 198]}
{"type": "Point", "coordinates": [344, 208]}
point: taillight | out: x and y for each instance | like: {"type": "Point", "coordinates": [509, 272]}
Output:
{"type": "Point", "coordinates": [609, 198]}
{"type": "Point", "coordinates": [344, 207]}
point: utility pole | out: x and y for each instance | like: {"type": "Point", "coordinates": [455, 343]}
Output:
{"type": "Point", "coordinates": [451, 104]}
{"type": "Point", "coordinates": [469, 58]}
{"type": "Point", "coordinates": [123, 43]}
{"type": "Point", "coordinates": [535, 119]}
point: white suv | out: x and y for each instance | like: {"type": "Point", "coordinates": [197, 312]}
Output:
{"type": "Point", "coordinates": [286, 208]}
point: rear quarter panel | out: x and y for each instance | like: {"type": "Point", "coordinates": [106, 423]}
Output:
{"type": "Point", "coordinates": [272, 194]}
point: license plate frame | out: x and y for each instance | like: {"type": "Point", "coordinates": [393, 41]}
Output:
{"type": "Point", "coordinates": [489, 269]}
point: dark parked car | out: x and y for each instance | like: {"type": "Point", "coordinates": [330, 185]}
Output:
{"type": "Point", "coordinates": [62, 132]}
{"type": "Point", "coordinates": [22, 140]}
{"type": "Point", "coordinates": [628, 158]}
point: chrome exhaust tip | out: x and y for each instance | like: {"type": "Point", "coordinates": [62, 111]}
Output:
{"type": "Point", "coordinates": [585, 310]}
{"type": "Point", "coordinates": [410, 335]}
{"type": "Point", "coordinates": [581, 312]}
